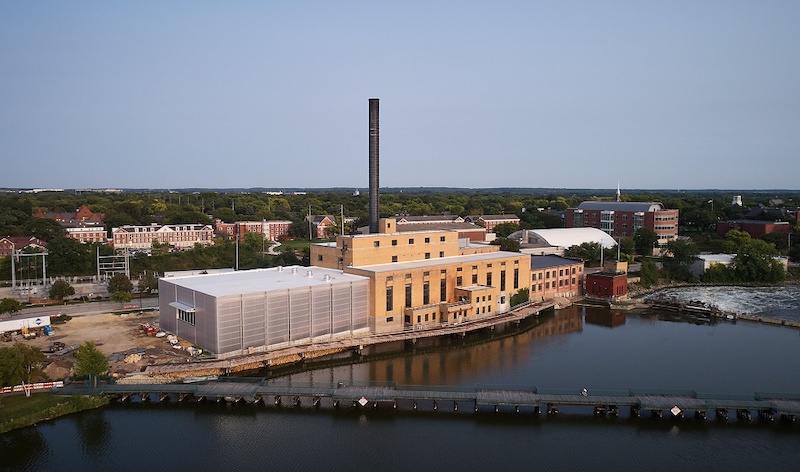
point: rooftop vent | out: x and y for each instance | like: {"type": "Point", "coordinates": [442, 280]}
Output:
{"type": "Point", "coordinates": [294, 270]}
{"type": "Point", "coordinates": [326, 278]}
{"type": "Point", "coordinates": [309, 274]}
{"type": "Point", "coordinates": [280, 268]}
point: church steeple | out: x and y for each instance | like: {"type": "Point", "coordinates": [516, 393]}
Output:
{"type": "Point", "coordinates": [619, 194]}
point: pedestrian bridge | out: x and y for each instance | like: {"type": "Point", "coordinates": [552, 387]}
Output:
{"type": "Point", "coordinates": [657, 403]}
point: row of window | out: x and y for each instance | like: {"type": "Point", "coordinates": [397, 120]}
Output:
{"type": "Point", "coordinates": [549, 285]}
{"type": "Point", "coordinates": [377, 243]}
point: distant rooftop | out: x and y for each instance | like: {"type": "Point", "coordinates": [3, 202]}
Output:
{"type": "Point", "coordinates": [622, 206]}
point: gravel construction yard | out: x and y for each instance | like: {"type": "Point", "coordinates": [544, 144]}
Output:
{"type": "Point", "coordinates": [119, 337]}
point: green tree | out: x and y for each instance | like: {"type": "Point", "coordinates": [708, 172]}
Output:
{"type": "Point", "coordinates": [504, 229]}
{"type": "Point", "coordinates": [148, 283]}
{"type": "Point", "coordinates": [649, 273]}
{"type": "Point", "coordinates": [89, 361]}
{"type": "Point", "coordinates": [120, 283]}
{"type": "Point", "coordinates": [12, 366]}
{"type": "Point", "coordinates": [61, 289]}
{"type": "Point", "coordinates": [9, 305]}
{"type": "Point", "coordinates": [644, 241]}
{"type": "Point", "coordinates": [522, 296]}
{"type": "Point", "coordinates": [718, 274]}
{"type": "Point", "coordinates": [587, 252]}
{"type": "Point", "coordinates": [32, 357]}
{"type": "Point", "coordinates": [681, 254]}
{"type": "Point", "coordinates": [735, 240]}
{"type": "Point", "coordinates": [511, 245]}
{"type": "Point", "coordinates": [69, 257]}
{"type": "Point", "coordinates": [755, 262]}
{"type": "Point", "coordinates": [122, 297]}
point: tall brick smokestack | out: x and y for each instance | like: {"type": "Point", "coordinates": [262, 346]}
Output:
{"type": "Point", "coordinates": [374, 149]}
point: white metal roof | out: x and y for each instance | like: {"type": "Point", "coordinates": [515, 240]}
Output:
{"type": "Point", "coordinates": [262, 280]}
{"type": "Point", "coordinates": [568, 237]}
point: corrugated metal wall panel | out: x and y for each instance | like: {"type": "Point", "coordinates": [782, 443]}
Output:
{"type": "Point", "coordinates": [300, 319]}
{"type": "Point", "coordinates": [254, 319]}
{"type": "Point", "coordinates": [321, 311]}
{"type": "Point", "coordinates": [277, 317]}
{"type": "Point", "coordinates": [230, 324]}
{"type": "Point", "coordinates": [341, 308]}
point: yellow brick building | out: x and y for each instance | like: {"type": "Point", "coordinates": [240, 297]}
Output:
{"type": "Point", "coordinates": [424, 279]}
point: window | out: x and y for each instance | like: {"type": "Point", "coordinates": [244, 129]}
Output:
{"type": "Point", "coordinates": [186, 316]}
{"type": "Point", "coordinates": [459, 281]}
{"type": "Point", "coordinates": [561, 272]}
{"type": "Point", "coordinates": [419, 318]}
{"type": "Point", "coordinates": [474, 279]}
{"type": "Point", "coordinates": [443, 290]}
{"type": "Point", "coordinates": [376, 243]}
{"type": "Point", "coordinates": [389, 298]}
{"type": "Point", "coordinates": [407, 319]}
{"type": "Point", "coordinates": [502, 281]}
{"type": "Point", "coordinates": [426, 274]}
{"type": "Point", "coordinates": [319, 257]}
{"type": "Point", "coordinates": [516, 278]}
{"type": "Point", "coordinates": [427, 255]}
{"type": "Point", "coordinates": [408, 295]}
{"type": "Point", "coordinates": [441, 238]}
{"type": "Point", "coordinates": [426, 293]}
{"type": "Point", "coordinates": [427, 240]}
{"type": "Point", "coordinates": [410, 240]}
{"type": "Point", "coordinates": [547, 274]}
{"type": "Point", "coordinates": [394, 258]}
{"type": "Point", "coordinates": [488, 279]}
{"type": "Point", "coordinates": [394, 242]}
{"type": "Point", "coordinates": [573, 270]}
{"type": "Point", "coordinates": [389, 319]}
{"type": "Point", "coordinates": [441, 253]}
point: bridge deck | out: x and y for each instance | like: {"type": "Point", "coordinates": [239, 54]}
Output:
{"type": "Point", "coordinates": [783, 404]}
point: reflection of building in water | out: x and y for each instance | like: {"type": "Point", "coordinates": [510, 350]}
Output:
{"type": "Point", "coordinates": [609, 319]}
{"type": "Point", "coordinates": [451, 366]}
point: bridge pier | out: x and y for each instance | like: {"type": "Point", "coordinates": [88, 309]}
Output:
{"type": "Point", "coordinates": [787, 418]}
{"type": "Point", "coordinates": [277, 400]}
{"type": "Point", "coordinates": [552, 409]}
{"type": "Point", "coordinates": [635, 411]}
{"type": "Point", "coordinates": [414, 403]}
{"type": "Point", "coordinates": [315, 401]}
{"type": "Point", "coordinates": [700, 415]}
{"type": "Point", "coordinates": [336, 403]}
{"type": "Point", "coordinates": [657, 413]}
{"type": "Point", "coordinates": [455, 405]}
{"type": "Point", "coordinates": [721, 414]}
{"type": "Point", "coordinates": [394, 405]}
{"type": "Point", "coordinates": [162, 397]}
{"type": "Point", "coordinates": [766, 415]}
{"type": "Point", "coordinates": [296, 402]}
{"type": "Point", "coordinates": [743, 414]}
{"type": "Point", "coordinates": [516, 409]}
{"type": "Point", "coordinates": [496, 408]}
{"type": "Point", "coordinates": [537, 410]}
{"type": "Point", "coordinates": [435, 406]}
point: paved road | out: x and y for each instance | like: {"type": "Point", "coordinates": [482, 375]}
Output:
{"type": "Point", "coordinates": [82, 309]}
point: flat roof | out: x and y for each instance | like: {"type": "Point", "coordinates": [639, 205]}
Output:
{"type": "Point", "coordinates": [262, 280]}
{"type": "Point", "coordinates": [545, 262]}
{"type": "Point", "coordinates": [436, 262]}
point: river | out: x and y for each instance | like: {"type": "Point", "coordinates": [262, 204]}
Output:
{"type": "Point", "coordinates": [574, 348]}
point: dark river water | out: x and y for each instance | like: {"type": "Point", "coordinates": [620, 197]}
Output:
{"type": "Point", "coordinates": [570, 349]}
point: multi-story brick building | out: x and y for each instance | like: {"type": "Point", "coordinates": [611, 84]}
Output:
{"type": "Point", "coordinates": [83, 216]}
{"type": "Point", "coordinates": [554, 276]}
{"type": "Point", "coordinates": [272, 230]}
{"type": "Point", "coordinates": [178, 236]}
{"type": "Point", "coordinates": [88, 234]}
{"type": "Point", "coordinates": [11, 244]}
{"type": "Point", "coordinates": [621, 219]}
{"type": "Point", "coordinates": [321, 226]}
{"type": "Point", "coordinates": [755, 228]}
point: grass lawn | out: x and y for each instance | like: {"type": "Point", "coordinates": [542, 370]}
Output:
{"type": "Point", "coordinates": [18, 411]}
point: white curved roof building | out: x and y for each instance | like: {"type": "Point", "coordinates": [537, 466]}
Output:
{"type": "Point", "coordinates": [563, 238]}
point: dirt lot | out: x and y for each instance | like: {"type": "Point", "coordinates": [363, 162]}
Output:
{"type": "Point", "coordinates": [118, 336]}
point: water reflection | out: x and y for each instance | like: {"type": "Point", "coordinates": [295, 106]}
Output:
{"type": "Point", "coordinates": [94, 432]}
{"type": "Point", "coordinates": [22, 448]}
{"type": "Point", "coordinates": [609, 319]}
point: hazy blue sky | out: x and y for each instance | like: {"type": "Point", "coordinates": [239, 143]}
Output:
{"type": "Point", "coordinates": [169, 94]}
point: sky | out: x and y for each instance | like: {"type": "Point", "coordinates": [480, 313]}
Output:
{"type": "Point", "coordinates": [240, 94]}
